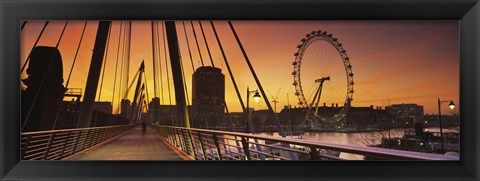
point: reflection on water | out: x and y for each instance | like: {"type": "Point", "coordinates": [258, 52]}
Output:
{"type": "Point", "coordinates": [355, 138]}
{"type": "Point", "coordinates": [341, 138]}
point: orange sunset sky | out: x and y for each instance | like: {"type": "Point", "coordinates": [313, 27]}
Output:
{"type": "Point", "coordinates": [393, 61]}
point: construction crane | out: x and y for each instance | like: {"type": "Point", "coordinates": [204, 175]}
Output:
{"type": "Point", "coordinates": [275, 99]}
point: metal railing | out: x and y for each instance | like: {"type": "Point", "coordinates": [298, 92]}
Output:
{"type": "Point", "coordinates": [74, 92]}
{"type": "Point", "coordinates": [202, 144]}
{"type": "Point", "coordinates": [58, 144]}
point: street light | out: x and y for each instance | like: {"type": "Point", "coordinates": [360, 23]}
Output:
{"type": "Point", "coordinates": [257, 97]}
{"type": "Point", "coordinates": [451, 105]}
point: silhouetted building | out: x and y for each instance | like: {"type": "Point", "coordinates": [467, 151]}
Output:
{"type": "Point", "coordinates": [431, 120]}
{"type": "Point", "coordinates": [208, 97]}
{"type": "Point", "coordinates": [237, 119]}
{"type": "Point", "coordinates": [44, 89]}
{"type": "Point", "coordinates": [359, 118]}
{"type": "Point", "coordinates": [154, 114]}
{"type": "Point", "coordinates": [104, 106]}
{"type": "Point", "coordinates": [126, 108]}
{"type": "Point", "coordinates": [101, 116]}
{"type": "Point", "coordinates": [167, 114]}
{"type": "Point", "coordinates": [406, 114]}
{"type": "Point", "coordinates": [262, 120]}
{"type": "Point", "coordinates": [364, 118]}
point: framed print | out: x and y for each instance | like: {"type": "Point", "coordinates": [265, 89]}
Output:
{"type": "Point", "coordinates": [202, 90]}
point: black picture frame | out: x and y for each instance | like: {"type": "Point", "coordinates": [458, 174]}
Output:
{"type": "Point", "coordinates": [467, 12]}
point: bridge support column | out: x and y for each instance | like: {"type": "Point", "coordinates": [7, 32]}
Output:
{"type": "Point", "coordinates": [86, 111]}
{"type": "Point", "coordinates": [178, 83]}
{"type": "Point", "coordinates": [175, 62]}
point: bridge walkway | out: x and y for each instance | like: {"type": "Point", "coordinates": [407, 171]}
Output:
{"type": "Point", "coordinates": [134, 145]}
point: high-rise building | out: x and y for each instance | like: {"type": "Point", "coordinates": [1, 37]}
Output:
{"type": "Point", "coordinates": [208, 97]}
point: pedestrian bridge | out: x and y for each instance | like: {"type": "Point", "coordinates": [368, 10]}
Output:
{"type": "Point", "coordinates": [157, 142]}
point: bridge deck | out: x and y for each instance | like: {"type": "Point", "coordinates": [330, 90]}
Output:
{"type": "Point", "coordinates": [134, 145]}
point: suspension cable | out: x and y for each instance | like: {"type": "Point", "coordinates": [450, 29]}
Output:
{"type": "Point", "coordinates": [129, 42]}
{"type": "Point", "coordinates": [213, 65]}
{"type": "Point", "coordinates": [148, 97]}
{"type": "Point", "coordinates": [116, 64]}
{"type": "Point", "coordinates": [166, 68]}
{"type": "Point", "coordinates": [34, 45]}
{"type": "Point", "coordinates": [188, 46]}
{"type": "Point", "coordinates": [193, 67]}
{"type": "Point", "coordinates": [282, 132]}
{"type": "Point", "coordinates": [23, 25]}
{"type": "Point", "coordinates": [229, 72]}
{"type": "Point", "coordinates": [43, 78]}
{"type": "Point", "coordinates": [76, 54]}
{"type": "Point", "coordinates": [69, 75]}
{"type": "Point", "coordinates": [145, 83]}
{"type": "Point", "coordinates": [206, 43]}
{"type": "Point", "coordinates": [154, 59]}
{"type": "Point", "coordinates": [154, 62]}
{"type": "Point", "coordinates": [160, 64]}
{"type": "Point", "coordinates": [196, 42]}
{"type": "Point", "coordinates": [131, 84]}
{"type": "Point", "coordinates": [228, 68]}
{"type": "Point", "coordinates": [122, 69]}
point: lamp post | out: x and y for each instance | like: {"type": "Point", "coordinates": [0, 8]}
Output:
{"type": "Point", "coordinates": [451, 105]}
{"type": "Point", "coordinates": [256, 96]}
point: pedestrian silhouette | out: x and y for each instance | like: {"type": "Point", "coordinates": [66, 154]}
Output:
{"type": "Point", "coordinates": [144, 126]}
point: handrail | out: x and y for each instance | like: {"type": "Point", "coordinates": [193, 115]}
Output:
{"type": "Point", "coordinates": [72, 129]}
{"type": "Point", "coordinates": [200, 138]}
{"type": "Point", "coordinates": [59, 144]}
{"type": "Point", "coordinates": [74, 91]}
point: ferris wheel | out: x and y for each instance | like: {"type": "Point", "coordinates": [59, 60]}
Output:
{"type": "Point", "coordinates": [323, 78]}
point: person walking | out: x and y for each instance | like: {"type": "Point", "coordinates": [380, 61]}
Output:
{"type": "Point", "coordinates": [144, 127]}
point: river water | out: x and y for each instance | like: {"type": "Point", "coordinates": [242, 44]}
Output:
{"type": "Point", "coordinates": [357, 138]}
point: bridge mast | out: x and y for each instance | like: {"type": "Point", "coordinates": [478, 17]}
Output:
{"type": "Point", "coordinates": [177, 72]}
{"type": "Point", "coordinates": [86, 111]}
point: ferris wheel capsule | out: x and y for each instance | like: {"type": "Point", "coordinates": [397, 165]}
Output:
{"type": "Point", "coordinates": [294, 63]}
{"type": "Point", "coordinates": [295, 54]}
{"type": "Point", "coordinates": [307, 35]}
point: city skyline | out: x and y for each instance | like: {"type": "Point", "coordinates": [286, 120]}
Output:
{"type": "Point", "coordinates": [396, 61]}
